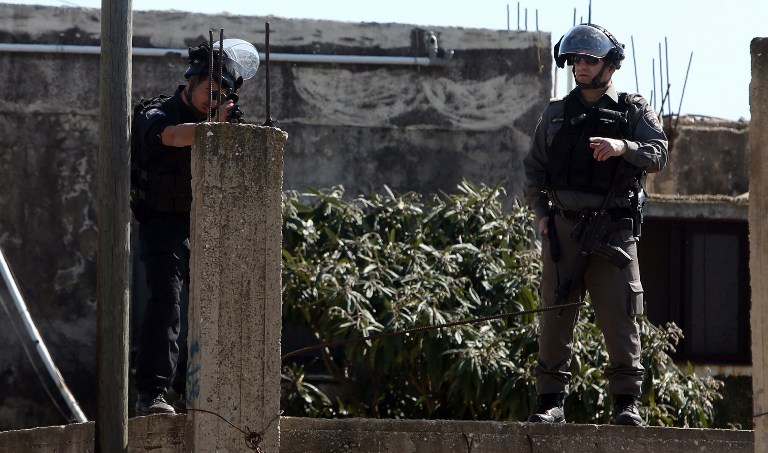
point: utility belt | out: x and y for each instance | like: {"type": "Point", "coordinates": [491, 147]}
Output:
{"type": "Point", "coordinates": [160, 194]}
{"type": "Point", "coordinates": [621, 218]}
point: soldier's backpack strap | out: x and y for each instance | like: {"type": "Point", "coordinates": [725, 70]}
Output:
{"type": "Point", "coordinates": [139, 175]}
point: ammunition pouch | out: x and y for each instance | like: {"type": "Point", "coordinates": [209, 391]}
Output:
{"type": "Point", "coordinates": [159, 193]}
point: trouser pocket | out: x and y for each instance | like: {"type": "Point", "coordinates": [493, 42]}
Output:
{"type": "Point", "coordinates": [635, 307]}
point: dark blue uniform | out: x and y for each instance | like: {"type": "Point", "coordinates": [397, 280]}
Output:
{"type": "Point", "coordinates": [161, 201]}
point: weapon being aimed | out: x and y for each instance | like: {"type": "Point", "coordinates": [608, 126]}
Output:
{"type": "Point", "coordinates": [242, 59]}
{"type": "Point", "coordinates": [593, 237]}
{"type": "Point", "coordinates": [235, 114]}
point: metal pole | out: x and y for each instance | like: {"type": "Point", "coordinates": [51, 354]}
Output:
{"type": "Point", "coordinates": [669, 100]}
{"type": "Point", "coordinates": [554, 85]}
{"type": "Point", "coordinates": [653, 91]}
{"type": "Point", "coordinates": [210, 73]}
{"type": "Point", "coordinates": [113, 262]}
{"type": "Point", "coordinates": [221, 71]}
{"type": "Point", "coordinates": [42, 351]}
{"type": "Point", "coordinates": [661, 83]}
{"type": "Point", "coordinates": [283, 57]}
{"type": "Point", "coordinates": [634, 63]}
{"type": "Point", "coordinates": [679, 107]}
{"type": "Point", "coordinates": [268, 98]}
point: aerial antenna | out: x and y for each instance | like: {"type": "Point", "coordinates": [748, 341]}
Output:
{"type": "Point", "coordinates": [589, 14]}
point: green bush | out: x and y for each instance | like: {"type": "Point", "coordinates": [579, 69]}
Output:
{"type": "Point", "coordinates": [391, 262]}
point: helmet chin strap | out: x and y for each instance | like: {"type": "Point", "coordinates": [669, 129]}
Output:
{"type": "Point", "coordinates": [595, 83]}
{"type": "Point", "coordinates": [188, 97]}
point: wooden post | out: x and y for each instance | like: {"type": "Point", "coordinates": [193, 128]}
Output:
{"type": "Point", "coordinates": [114, 227]}
{"type": "Point", "coordinates": [758, 236]}
{"type": "Point", "coordinates": [235, 287]}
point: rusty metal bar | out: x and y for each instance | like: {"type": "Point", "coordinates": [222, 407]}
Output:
{"type": "Point", "coordinates": [210, 74]}
{"type": "Point", "coordinates": [221, 72]}
{"type": "Point", "coordinates": [268, 98]}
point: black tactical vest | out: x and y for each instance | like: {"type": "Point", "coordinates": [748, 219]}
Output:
{"type": "Point", "coordinates": [160, 181]}
{"type": "Point", "coordinates": [570, 164]}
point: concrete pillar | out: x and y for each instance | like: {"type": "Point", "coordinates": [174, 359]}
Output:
{"type": "Point", "coordinates": [758, 236]}
{"type": "Point", "coordinates": [235, 290]}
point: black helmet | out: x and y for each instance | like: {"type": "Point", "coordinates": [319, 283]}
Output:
{"type": "Point", "coordinates": [589, 39]}
{"type": "Point", "coordinates": [198, 64]}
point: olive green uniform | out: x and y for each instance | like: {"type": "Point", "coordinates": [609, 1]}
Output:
{"type": "Point", "coordinates": [616, 294]}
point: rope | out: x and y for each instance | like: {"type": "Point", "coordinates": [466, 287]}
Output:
{"type": "Point", "coordinates": [252, 438]}
{"type": "Point", "coordinates": [331, 344]}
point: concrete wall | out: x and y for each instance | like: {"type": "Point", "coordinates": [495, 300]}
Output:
{"type": "Point", "coordinates": [758, 237]}
{"type": "Point", "coordinates": [166, 435]}
{"type": "Point", "coordinates": [707, 156]}
{"type": "Point", "coordinates": [413, 128]}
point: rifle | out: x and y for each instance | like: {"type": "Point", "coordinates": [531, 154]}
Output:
{"type": "Point", "coordinates": [592, 239]}
{"type": "Point", "coordinates": [235, 115]}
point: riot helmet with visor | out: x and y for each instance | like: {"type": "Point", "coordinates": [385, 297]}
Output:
{"type": "Point", "coordinates": [591, 40]}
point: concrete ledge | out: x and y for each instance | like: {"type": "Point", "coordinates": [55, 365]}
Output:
{"type": "Point", "coordinates": [158, 434]}
{"type": "Point", "coordinates": [711, 207]}
{"type": "Point", "coordinates": [373, 435]}
{"type": "Point", "coordinates": [165, 434]}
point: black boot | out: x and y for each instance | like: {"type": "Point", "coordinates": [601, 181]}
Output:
{"type": "Point", "coordinates": [625, 411]}
{"type": "Point", "coordinates": [550, 409]}
{"type": "Point", "coordinates": [153, 403]}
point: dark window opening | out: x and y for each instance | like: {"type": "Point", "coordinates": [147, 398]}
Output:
{"type": "Point", "coordinates": [695, 273]}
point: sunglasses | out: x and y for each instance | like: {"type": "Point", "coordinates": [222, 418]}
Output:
{"type": "Point", "coordinates": [589, 61]}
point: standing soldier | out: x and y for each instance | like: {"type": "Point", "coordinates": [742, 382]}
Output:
{"type": "Point", "coordinates": [161, 197]}
{"type": "Point", "coordinates": [580, 143]}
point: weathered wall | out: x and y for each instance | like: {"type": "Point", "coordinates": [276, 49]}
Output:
{"type": "Point", "coordinates": [165, 434]}
{"type": "Point", "coordinates": [362, 126]}
{"type": "Point", "coordinates": [707, 156]}
{"type": "Point", "coordinates": [235, 300]}
{"type": "Point", "coordinates": [413, 128]}
{"type": "Point", "coordinates": [758, 237]}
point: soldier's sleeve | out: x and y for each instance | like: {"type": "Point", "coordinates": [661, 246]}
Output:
{"type": "Point", "coordinates": [647, 146]}
{"type": "Point", "coordinates": [151, 122]}
{"type": "Point", "coordinates": [535, 163]}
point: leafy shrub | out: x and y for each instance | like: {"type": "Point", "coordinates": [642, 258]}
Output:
{"type": "Point", "coordinates": [391, 262]}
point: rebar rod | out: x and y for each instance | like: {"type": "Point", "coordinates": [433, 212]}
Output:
{"type": "Point", "coordinates": [209, 115]}
{"type": "Point", "coordinates": [221, 73]}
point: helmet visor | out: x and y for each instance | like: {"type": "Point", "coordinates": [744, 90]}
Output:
{"type": "Point", "coordinates": [241, 56]}
{"type": "Point", "coordinates": [585, 40]}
